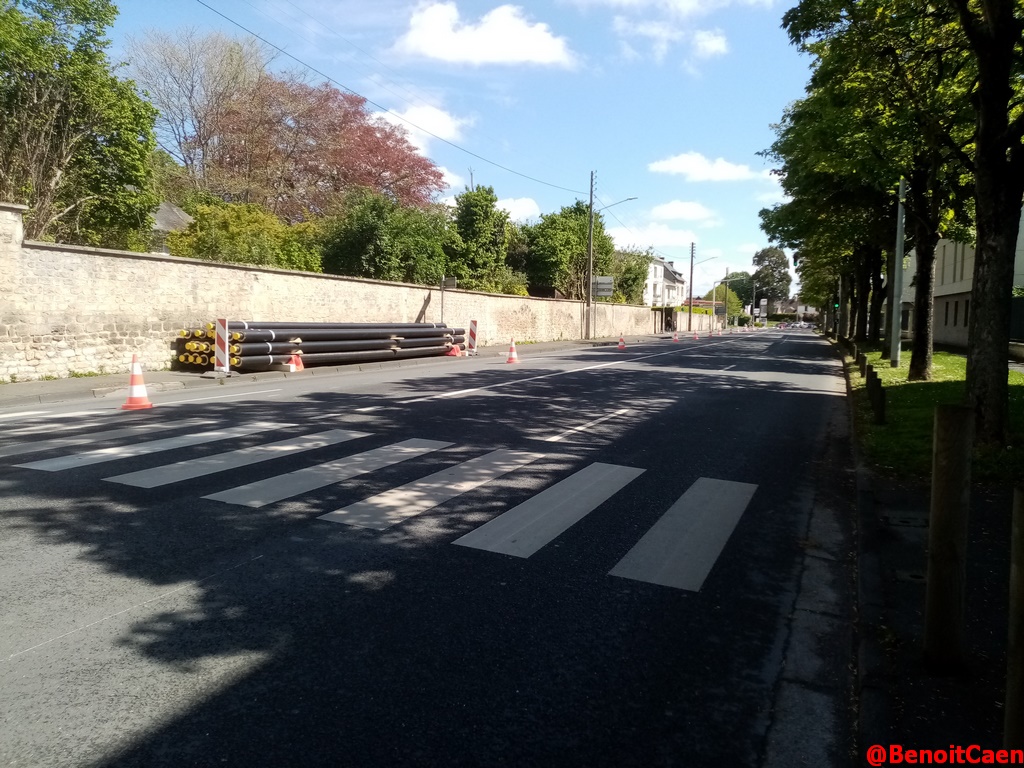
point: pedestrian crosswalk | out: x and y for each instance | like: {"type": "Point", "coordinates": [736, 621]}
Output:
{"type": "Point", "coordinates": [678, 551]}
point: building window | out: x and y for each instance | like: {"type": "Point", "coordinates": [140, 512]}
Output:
{"type": "Point", "coordinates": [967, 308]}
{"type": "Point", "coordinates": [947, 314]}
{"type": "Point", "coordinates": [956, 309]}
{"type": "Point", "coordinates": [963, 259]}
{"type": "Point", "coordinates": [942, 261]}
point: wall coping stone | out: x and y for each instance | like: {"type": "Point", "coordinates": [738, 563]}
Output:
{"type": "Point", "coordinates": [13, 207]}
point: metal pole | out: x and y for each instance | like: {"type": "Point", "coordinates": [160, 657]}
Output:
{"type": "Point", "coordinates": [689, 316]}
{"type": "Point", "coordinates": [590, 263]}
{"type": "Point", "coordinates": [442, 299]}
{"type": "Point", "coordinates": [897, 283]}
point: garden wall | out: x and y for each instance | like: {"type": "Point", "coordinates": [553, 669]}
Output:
{"type": "Point", "coordinates": [66, 309]}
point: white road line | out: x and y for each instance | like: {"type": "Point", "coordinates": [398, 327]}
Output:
{"type": "Point", "coordinates": [36, 446]}
{"type": "Point", "coordinates": [391, 507]}
{"type": "Point", "coordinates": [367, 408]}
{"type": "Point", "coordinates": [21, 414]}
{"type": "Point", "coordinates": [513, 382]}
{"type": "Point", "coordinates": [209, 465]}
{"type": "Point", "coordinates": [728, 367]}
{"type": "Point", "coordinates": [152, 446]}
{"type": "Point", "coordinates": [272, 489]}
{"type": "Point", "coordinates": [219, 397]}
{"type": "Point", "coordinates": [557, 438]}
{"type": "Point", "coordinates": [680, 549]}
{"type": "Point", "coordinates": [526, 528]}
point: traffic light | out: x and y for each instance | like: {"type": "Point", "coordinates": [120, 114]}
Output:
{"type": "Point", "coordinates": [836, 305]}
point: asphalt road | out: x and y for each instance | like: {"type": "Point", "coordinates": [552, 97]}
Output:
{"type": "Point", "coordinates": [592, 558]}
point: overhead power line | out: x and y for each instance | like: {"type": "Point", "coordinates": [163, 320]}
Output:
{"type": "Point", "coordinates": [385, 109]}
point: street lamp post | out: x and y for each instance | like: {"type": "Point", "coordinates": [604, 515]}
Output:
{"type": "Point", "coordinates": [590, 255]}
{"type": "Point", "coordinates": [689, 315]}
{"type": "Point", "coordinates": [725, 297]}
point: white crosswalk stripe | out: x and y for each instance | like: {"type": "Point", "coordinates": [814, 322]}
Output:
{"type": "Point", "coordinates": [37, 446]}
{"type": "Point", "coordinates": [101, 455]}
{"type": "Point", "coordinates": [208, 465]}
{"type": "Point", "coordinates": [391, 507]}
{"type": "Point", "coordinates": [681, 548]}
{"type": "Point", "coordinates": [679, 551]}
{"type": "Point", "coordinates": [272, 489]}
{"type": "Point", "coordinates": [528, 527]}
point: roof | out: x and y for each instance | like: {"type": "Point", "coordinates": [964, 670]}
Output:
{"type": "Point", "coordinates": [170, 218]}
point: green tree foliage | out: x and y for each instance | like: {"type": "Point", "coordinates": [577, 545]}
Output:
{"type": "Point", "coordinates": [629, 268]}
{"type": "Point", "coordinates": [742, 284]}
{"type": "Point", "coordinates": [772, 277]}
{"type": "Point", "coordinates": [74, 140]}
{"type": "Point", "coordinates": [733, 303]}
{"type": "Point", "coordinates": [247, 234]}
{"type": "Point", "coordinates": [558, 250]}
{"type": "Point", "coordinates": [484, 231]}
{"type": "Point", "coordinates": [377, 238]}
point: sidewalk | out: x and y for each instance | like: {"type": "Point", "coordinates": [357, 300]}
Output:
{"type": "Point", "coordinates": [29, 393]}
{"type": "Point", "coordinates": [901, 701]}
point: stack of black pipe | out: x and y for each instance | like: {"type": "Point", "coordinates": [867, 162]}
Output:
{"type": "Point", "coordinates": [260, 345]}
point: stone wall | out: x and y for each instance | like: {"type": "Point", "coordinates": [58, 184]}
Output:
{"type": "Point", "coordinates": [66, 309]}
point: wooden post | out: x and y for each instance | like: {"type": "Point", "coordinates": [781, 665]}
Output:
{"type": "Point", "coordinates": [879, 403]}
{"type": "Point", "coordinates": [863, 365]}
{"type": "Point", "coordinates": [947, 538]}
{"type": "Point", "coordinates": [1013, 711]}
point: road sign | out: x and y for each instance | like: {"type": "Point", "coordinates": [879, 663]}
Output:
{"type": "Point", "coordinates": [757, 311]}
{"type": "Point", "coordinates": [604, 286]}
{"type": "Point", "coordinates": [719, 310]}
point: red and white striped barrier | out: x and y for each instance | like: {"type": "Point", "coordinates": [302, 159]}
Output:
{"type": "Point", "coordinates": [471, 339]}
{"type": "Point", "coordinates": [221, 361]}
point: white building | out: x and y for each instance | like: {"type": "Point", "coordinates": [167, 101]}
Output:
{"type": "Point", "coordinates": [664, 286]}
{"type": "Point", "coordinates": [954, 280]}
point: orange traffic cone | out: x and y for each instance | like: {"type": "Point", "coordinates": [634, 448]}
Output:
{"type": "Point", "coordinates": [295, 363]}
{"type": "Point", "coordinates": [695, 336]}
{"type": "Point", "coordinates": [512, 356]}
{"type": "Point", "coordinates": [675, 337]}
{"type": "Point", "coordinates": [622, 342]}
{"type": "Point", "coordinates": [137, 399]}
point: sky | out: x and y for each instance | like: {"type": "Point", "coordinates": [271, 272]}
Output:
{"type": "Point", "coordinates": [666, 101]}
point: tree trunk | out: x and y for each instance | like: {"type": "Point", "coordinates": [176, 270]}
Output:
{"type": "Point", "coordinates": [845, 305]}
{"type": "Point", "coordinates": [925, 239]}
{"type": "Point", "coordinates": [862, 254]}
{"type": "Point", "coordinates": [923, 211]}
{"type": "Point", "coordinates": [878, 292]}
{"type": "Point", "coordinates": [999, 185]}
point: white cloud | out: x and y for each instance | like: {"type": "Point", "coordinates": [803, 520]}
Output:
{"type": "Point", "coordinates": [695, 167]}
{"type": "Point", "coordinates": [679, 210]}
{"type": "Point", "coordinates": [677, 8]}
{"type": "Point", "coordinates": [661, 33]}
{"type": "Point", "coordinates": [651, 236]}
{"type": "Point", "coordinates": [707, 43]}
{"type": "Point", "coordinates": [749, 249]}
{"type": "Point", "coordinates": [520, 208]}
{"type": "Point", "coordinates": [425, 118]}
{"type": "Point", "coordinates": [452, 180]}
{"type": "Point", "coordinates": [502, 36]}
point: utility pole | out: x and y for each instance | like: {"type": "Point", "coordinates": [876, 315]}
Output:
{"type": "Point", "coordinates": [472, 188]}
{"type": "Point", "coordinates": [590, 263]}
{"type": "Point", "coordinates": [689, 315]}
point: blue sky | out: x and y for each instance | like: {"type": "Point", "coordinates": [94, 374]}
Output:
{"type": "Point", "coordinates": [667, 101]}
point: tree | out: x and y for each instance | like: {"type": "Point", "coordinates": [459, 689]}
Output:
{"type": "Point", "coordinates": [485, 234]}
{"type": "Point", "coordinates": [733, 303]}
{"type": "Point", "coordinates": [246, 135]}
{"type": "Point", "coordinates": [558, 250]}
{"type": "Point", "coordinates": [375, 237]}
{"type": "Point", "coordinates": [193, 79]}
{"type": "Point", "coordinates": [75, 139]}
{"type": "Point", "coordinates": [994, 32]}
{"type": "Point", "coordinates": [742, 284]}
{"type": "Point", "coordinates": [772, 278]}
{"type": "Point", "coordinates": [629, 269]}
{"type": "Point", "coordinates": [246, 234]}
